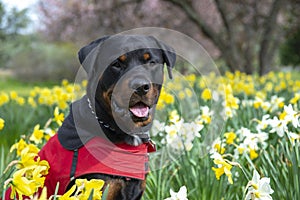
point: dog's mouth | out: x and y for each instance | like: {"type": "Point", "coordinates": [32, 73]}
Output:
{"type": "Point", "coordinates": [139, 111]}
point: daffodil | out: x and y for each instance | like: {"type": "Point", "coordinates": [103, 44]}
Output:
{"type": "Point", "coordinates": [37, 134]}
{"type": "Point", "coordinates": [19, 146]}
{"type": "Point", "coordinates": [58, 117]}
{"type": "Point", "coordinates": [259, 188]}
{"type": "Point", "coordinates": [292, 115]}
{"type": "Point", "coordinates": [264, 123]}
{"type": "Point", "coordinates": [13, 95]}
{"type": "Point", "coordinates": [21, 185]}
{"type": "Point", "coordinates": [295, 99]}
{"type": "Point", "coordinates": [157, 127]}
{"type": "Point", "coordinates": [278, 126]}
{"type": "Point", "coordinates": [1, 123]}
{"type": "Point", "coordinates": [27, 158]}
{"type": "Point", "coordinates": [68, 194]}
{"type": "Point", "coordinates": [83, 190]}
{"type": "Point", "coordinates": [32, 102]}
{"type": "Point", "coordinates": [174, 117]}
{"type": "Point", "coordinates": [206, 94]}
{"type": "Point", "coordinates": [252, 153]}
{"type": "Point", "coordinates": [4, 98]}
{"type": "Point", "coordinates": [43, 195]}
{"type": "Point", "coordinates": [230, 137]}
{"type": "Point", "coordinates": [180, 195]}
{"type": "Point", "coordinates": [205, 116]}
{"type": "Point", "coordinates": [20, 101]}
{"type": "Point", "coordinates": [224, 167]}
{"type": "Point", "coordinates": [94, 185]}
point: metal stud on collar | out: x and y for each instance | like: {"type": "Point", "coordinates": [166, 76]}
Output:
{"type": "Point", "coordinates": [100, 121]}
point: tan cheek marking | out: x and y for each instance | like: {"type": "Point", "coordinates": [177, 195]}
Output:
{"type": "Point", "coordinates": [114, 189]}
{"type": "Point", "coordinates": [123, 58]}
{"type": "Point", "coordinates": [107, 96]}
{"type": "Point", "coordinates": [144, 123]}
{"type": "Point", "coordinates": [146, 56]}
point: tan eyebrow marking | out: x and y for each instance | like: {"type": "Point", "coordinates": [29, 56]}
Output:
{"type": "Point", "coordinates": [122, 58]}
{"type": "Point", "coordinates": [146, 56]}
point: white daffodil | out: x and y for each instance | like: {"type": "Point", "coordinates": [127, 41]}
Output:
{"type": "Point", "coordinates": [291, 115]}
{"type": "Point", "coordinates": [278, 126]}
{"type": "Point", "coordinates": [157, 127]}
{"type": "Point", "coordinates": [293, 137]}
{"type": "Point", "coordinates": [180, 195]}
{"type": "Point", "coordinates": [276, 103]}
{"type": "Point", "coordinates": [264, 123]}
{"type": "Point", "coordinates": [259, 188]}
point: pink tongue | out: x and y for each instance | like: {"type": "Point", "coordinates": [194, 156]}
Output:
{"type": "Point", "coordinates": [140, 110]}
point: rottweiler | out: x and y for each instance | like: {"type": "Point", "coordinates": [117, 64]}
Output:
{"type": "Point", "coordinates": [106, 134]}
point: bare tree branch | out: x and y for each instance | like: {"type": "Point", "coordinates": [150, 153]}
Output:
{"type": "Point", "coordinates": [193, 16]}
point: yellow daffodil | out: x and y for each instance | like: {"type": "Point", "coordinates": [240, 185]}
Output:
{"type": "Point", "coordinates": [295, 99]}
{"type": "Point", "coordinates": [20, 101]}
{"type": "Point", "coordinates": [174, 116]}
{"type": "Point", "coordinates": [67, 195]}
{"type": "Point", "coordinates": [84, 83]}
{"type": "Point", "coordinates": [94, 184]}
{"type": "Point", "coordinates": [206, 94]}
{"type": "Point", "coordinates": [37, 134]}
{"type": "Point", "coordinates": [27, 158]}
{"type": "Point", "coordinates": [19, 146]}
{"type": "Point", "coordinates": [43, 195]}
{"type": "Point", "coordinates": [223, 167]}
{"type": "Point", "coordinates": [169, 99]}
{"type": "Point", "coordinates": [13, 95]}
{"type": "Point", "coordinates": [4, 98]}
{"type": "Point", "coordinates": [252, 153]}
{"type": "Point", "coordinates": [58, 117]}
{"type": "Point", "coordinates": [230, 137]}
{"type": "Point", "coordinates": [31, 102]}
{"type": "Point", "coordinates": [220, 149]}
{"type": "Point", "coordinates": [181, 94]}
{"type": "Point", "coordinates": [191, 78]}
{"type": "Point", "coordinates": [21, 185]}
{"type": "Point", "coordinates": [83, 189]}
{"type": "Point", "coordinates": [2, 122]}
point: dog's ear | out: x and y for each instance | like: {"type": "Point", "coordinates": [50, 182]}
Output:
{"type": "Point", "coordinates": [170, 59]}
{"type": "Point", "coordinates": [169, 56]}
{"type": "Point", "coordinates": [84, 51]}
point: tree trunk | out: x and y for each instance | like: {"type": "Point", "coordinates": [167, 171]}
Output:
{"type": "Point", "coordinates": [266, 53]}
{"type": "Point", "coordinates": [228, 50]}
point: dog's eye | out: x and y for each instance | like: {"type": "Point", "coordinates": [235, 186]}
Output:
{"type": "Point", "coordinates": [152, 62]}
{"type": "Point", "coordinates": [116, 64]}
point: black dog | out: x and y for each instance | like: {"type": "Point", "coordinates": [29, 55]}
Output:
{"type": "Point", "coordinates": [105, 136]}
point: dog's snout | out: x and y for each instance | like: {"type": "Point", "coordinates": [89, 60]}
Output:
{"type": "Point", "coordinates": [141, 86]}
{"type": "Point", "coordinates": [144, 89]}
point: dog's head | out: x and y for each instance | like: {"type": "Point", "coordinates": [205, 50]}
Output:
{"type": "Point", "coordinates": [127, 89]}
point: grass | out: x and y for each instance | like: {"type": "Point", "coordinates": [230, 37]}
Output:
{"type": "Point", "coordinates": [15, 114]}
{"type": "Point", "coordinates": [8, 84]}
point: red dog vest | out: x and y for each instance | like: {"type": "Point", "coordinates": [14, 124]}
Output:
{"type": "Point", "coordinates": [96, 156]}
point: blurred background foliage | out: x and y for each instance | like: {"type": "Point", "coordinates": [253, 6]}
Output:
{"type": "Point", "coordinates": [254, 37]}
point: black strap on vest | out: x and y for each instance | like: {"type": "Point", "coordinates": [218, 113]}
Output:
{"type": "Point", "coordinates": [74, 164]}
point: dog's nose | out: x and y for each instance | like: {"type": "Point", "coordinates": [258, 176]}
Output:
{"type": "Point", "coordinates": [141, 86]}
{"type": "Point", "coordinates": [144, 89]}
